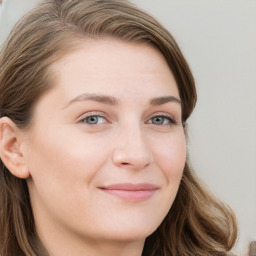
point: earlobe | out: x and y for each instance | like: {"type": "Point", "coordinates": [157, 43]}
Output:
{"type": "Point", "coordinates": [10, 149]}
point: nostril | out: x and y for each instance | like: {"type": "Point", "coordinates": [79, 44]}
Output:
{"type": "Point", "coordinates": [127, 158]}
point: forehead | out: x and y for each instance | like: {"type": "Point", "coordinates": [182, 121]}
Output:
{"type": "Point", "coordinates": [110, 63]}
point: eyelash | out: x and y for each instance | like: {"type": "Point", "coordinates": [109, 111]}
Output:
{"type": "Point", "coordinates": [169, 119]}
{"type": "Point", "coordinates": [92, 116]}
{"type": "Point", "coordinates": [97, 115]}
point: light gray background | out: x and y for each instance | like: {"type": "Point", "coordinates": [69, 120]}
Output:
{"type": "Point", "coordinates": [218, 38]}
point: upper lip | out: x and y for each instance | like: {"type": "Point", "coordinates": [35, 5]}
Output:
{"type": "Point", "coordinates": [131, 186]}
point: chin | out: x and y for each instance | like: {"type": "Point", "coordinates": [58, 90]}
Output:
{"type": "Point", "coordinates": [131, 232]}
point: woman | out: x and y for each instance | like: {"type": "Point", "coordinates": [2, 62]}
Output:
{"type": "Point", "coordinates": [94, 101]}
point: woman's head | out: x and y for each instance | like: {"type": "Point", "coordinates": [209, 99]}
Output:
{"type": "Point", "coordinates": [95, 95]}
{"type": "Point", "coordinates": [105, 146]}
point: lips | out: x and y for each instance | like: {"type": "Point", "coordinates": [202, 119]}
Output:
{"type": "Point", "coordinates": [131, 192]}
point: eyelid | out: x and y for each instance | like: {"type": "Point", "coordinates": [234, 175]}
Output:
{"type": "Point", "coordinates": [164, 115]}
{"type": "Point", "coordinates": [92, 113]}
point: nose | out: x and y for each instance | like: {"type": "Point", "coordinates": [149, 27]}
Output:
{"type": "Point", "coordinates": [131, 149]}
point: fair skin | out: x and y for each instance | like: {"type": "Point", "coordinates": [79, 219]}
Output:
{"type": "Point", "coordinates": [105, 151]}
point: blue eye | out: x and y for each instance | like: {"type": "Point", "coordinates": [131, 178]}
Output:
{"type": "Point", "coordinates": [162, 120]}
{"type": "Point", "coordinates": [92, 120]}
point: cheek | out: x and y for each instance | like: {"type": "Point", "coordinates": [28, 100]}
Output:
{"type": "Point", "coordinates": [65, 159]}
{"type": "Point", "coordinates": [171, 157]}
{"type": "Point", "coordinates": [62, 172]}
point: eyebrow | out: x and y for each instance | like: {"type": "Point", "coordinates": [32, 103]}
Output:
{"type": "Point", "coordinates": [95, 97]}
{"type": "Point", "coordinates": [109, 100]}
{"type": "Point", "coordinates": [165, 99]}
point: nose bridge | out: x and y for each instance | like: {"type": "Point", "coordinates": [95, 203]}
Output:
{"type": "Point", "coordinates": [131, 148]}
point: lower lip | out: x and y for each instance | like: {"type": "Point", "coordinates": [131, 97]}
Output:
{"type": "Point", "coordinates": [134, 196]}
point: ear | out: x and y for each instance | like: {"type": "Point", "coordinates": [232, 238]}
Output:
{"type": "Point", "coordinates": [10, 148]}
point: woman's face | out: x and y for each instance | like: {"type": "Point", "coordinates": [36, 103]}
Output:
{"type": "Point", "coordinates": [106, 146]}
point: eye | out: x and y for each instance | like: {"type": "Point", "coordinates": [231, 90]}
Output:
{"type": "Point", "coordinates": [162, 120]}
{"type": "Point", "coordinates": [94, 119]}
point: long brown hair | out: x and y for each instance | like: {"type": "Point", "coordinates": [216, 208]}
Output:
{"type": "Point", "coordinates": [197, 223]}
